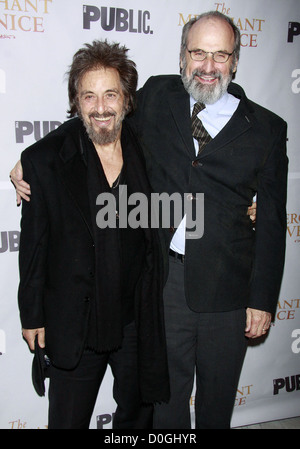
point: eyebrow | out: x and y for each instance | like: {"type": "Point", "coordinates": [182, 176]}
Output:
{"type": "Point", "coordinates": [217, 51]}
{"type": "Point", "coordinates": [85, 92]}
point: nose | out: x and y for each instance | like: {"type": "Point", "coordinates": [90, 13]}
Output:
{"type": "Point", "coordinates": [208, 64]}
{"type": "Point", "coordinates": [100, 105]}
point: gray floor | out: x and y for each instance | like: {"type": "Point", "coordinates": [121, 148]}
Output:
{"type": "Point", "coordinates": [291, 423]}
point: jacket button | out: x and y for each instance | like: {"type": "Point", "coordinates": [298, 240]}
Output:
{"type": "Point", "coordinates": [86, 299]}
{"type": "Point", "coordinates": [196, 163]}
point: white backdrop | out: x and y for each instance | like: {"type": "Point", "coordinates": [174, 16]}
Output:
{"type": "Point", "coordinates": [37, 41]}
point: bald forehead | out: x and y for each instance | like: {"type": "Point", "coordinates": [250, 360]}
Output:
{"type": "Point", "coordinates": [211, 34]}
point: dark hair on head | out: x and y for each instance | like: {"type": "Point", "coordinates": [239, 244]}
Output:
{"type": "Point", "coordinates": [101, 54]}
{"type": "Point", "coordinates": [219, 15]}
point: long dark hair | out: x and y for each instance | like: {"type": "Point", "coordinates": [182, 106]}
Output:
{"type": "Point", "coordinates": [101, 54]}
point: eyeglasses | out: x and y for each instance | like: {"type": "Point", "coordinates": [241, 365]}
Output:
{"type": "Point", "coordinates": [218, 56]}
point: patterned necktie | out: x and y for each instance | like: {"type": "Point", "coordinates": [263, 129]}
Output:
{"type": "Point", "coordinates": [198, 130]}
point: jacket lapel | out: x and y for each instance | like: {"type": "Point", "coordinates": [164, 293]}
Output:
{"type": "Point", "coordinates": [239, 123]}
{"type": "Point", "coordinates": [179, 102]}
{"type": "Point", "coordinates": [73, 174]}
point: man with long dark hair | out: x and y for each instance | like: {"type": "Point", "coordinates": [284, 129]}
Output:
{"type": "Point", "coordinates": [92, 296]}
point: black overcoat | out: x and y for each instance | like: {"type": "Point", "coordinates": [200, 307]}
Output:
{"type": "Point", "coordinates": [57, 256]}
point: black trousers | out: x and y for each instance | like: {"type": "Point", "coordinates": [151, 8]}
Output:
{"type": "Point", "coordinates": [210, 345]}
{"type": "Point", "coordinates": [72, 394]}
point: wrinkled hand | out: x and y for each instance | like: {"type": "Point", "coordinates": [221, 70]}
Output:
{"type": "Point", "coordinates": [22, 188]}
{"type": "Point", "coordinates": [252, 212]}
{"type": "Point", "coordinates": [257, 323]}
{"type": "Point", "coordinates": [29, 335]}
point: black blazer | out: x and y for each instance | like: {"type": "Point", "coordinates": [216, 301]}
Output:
{"type": "Point", "coordinates": [232, 265]}
{"type": "Point", "coordinates": [57, 257]}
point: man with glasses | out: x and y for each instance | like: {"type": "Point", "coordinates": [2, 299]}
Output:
{"type": "Point", "coordinates": [221, 288]}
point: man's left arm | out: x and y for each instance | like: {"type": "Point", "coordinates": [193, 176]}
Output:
{"type": "Point", "coordinates": [270, 237]}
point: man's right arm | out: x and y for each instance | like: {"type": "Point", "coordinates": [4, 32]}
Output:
{"type": "Point", "coordinates": [33, 251]}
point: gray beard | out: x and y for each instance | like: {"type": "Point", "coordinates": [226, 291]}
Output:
{"type": "Point", "coordinates": [204, 93]}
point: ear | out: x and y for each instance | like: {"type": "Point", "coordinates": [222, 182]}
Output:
{"type": "Point", "coordinates": [180, 63]}
{"type": "Point", "coordinates": [235, 66]}
{"type": "Point", "coordinates": [126, 105]}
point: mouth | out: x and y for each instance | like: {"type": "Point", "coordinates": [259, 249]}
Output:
{"type": "Point", "coordinates": [102, 120]}
{"type": "Point", "coordinates": [206, 78]}
{"type": "Point", "coordinates": [98, 119]}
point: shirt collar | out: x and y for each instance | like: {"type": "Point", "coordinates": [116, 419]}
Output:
{"type": "Point", "coordinates": [224, 106]}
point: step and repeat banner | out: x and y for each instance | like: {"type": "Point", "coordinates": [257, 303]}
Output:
{"type": "Point", "coordinates": [37, 41]}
